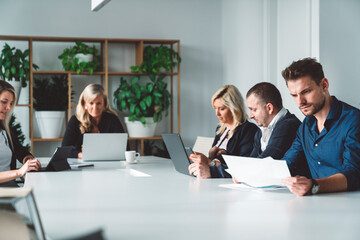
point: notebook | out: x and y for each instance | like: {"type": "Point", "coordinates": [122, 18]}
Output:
{"type": "Point", "coordinates": [178, 153]}
{"type": "Point", "coordinates": [104, 146]}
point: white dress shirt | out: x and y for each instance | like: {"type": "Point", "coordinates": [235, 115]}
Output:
{"type": "Point", "coordinates": [267, 131]}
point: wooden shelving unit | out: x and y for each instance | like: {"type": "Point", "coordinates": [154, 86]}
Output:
{"type": "Point", "coordinates": [104, 74]}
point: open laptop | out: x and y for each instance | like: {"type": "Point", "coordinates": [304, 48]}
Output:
{"type": "Point", "coordinates": [58, 161]}
{"type": "Point", "coordinates": [178, 153]}
{"type": "Point", "coordinates": [104, 146]}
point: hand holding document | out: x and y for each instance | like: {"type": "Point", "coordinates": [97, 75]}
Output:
{"type": "Point", "coordinates": [257, 172]}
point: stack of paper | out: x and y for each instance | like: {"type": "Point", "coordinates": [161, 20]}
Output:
{"type": "Point", "coordinates": [256, 172]}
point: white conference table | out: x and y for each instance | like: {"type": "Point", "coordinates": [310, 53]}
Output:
{"type": "Point", "coordinates": [150, 200]}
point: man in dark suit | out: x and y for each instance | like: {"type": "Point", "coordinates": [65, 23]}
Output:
{"type": "Point", "coordinates": [277, 126]}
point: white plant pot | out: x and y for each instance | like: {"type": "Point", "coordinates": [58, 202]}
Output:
{"type": "Point", "coordinates": [137, 129]}
{"type": "Point", "coordinates": [50, 123]}
{"type": "Point", "coordinates": [84, 58]}
{"type": "Point", "coordinates": [17, 87]}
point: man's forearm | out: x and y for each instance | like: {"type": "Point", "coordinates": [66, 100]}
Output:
{"type": "Point", "coordinates": [333, 183]}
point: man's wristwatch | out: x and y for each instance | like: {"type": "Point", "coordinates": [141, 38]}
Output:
{"type": "Point", "coordinates": [315, 187]}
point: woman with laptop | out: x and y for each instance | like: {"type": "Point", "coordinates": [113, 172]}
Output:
{"type": "Point", "coordinates": [234, 135]}
{"type": "Point", "coordinates": [10, 148]}
{"type": "Point", "coordinates": [93, 115]}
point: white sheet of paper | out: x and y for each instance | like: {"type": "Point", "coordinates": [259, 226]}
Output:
{"type": "Point", "coordinates": [257, 172]}
{"type": "Point", "coordinates": [203, 145]}
{"type": "Point", "coordinates": [247, 187]}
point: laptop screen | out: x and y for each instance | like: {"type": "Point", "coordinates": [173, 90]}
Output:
{"type": "Point", "coordinates": [104, 146]}
{"type": "Point", "coordinates": [177, 152]}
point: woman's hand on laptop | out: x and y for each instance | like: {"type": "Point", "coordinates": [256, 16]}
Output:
{"type": "Point", "coordinates": [30, 165]}
{"type": "Point", "coordinates": [79, 155]}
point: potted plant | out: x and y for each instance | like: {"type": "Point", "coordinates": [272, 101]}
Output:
{"type": "Point", "coordinates": [157, 59]}
{"type": "Point", "coordinates": [50, 103]}
{"type": "Point", "coordinates": [15, 66]}
{"type": "Point", "coordinates": [146, 104]}
{"type": "Point", "coordinates": [81, 58]}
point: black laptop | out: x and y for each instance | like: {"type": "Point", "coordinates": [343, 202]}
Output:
{"type": "Point", "coordinates": [58, 161]}
{"type": "Point", "coordinates": [178, 153]}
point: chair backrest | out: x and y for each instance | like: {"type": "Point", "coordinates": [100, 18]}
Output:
{"type": "Point", "coordinates": [17, 202]}
{"type": "Point", "coordinates": [203, 145]}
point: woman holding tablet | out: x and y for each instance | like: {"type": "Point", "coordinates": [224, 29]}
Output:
{"type": "Point", "coordinates": [234, 134]}
{"type": "Point", "coordinates": [93, 115]}
{"type": "Point", "coordinates": [10, 148]}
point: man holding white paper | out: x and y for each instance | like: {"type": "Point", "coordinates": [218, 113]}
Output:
{"type": "Point", "coordinates": [277, 126]}
{"type": "Point", "coordinates": [325, 156]}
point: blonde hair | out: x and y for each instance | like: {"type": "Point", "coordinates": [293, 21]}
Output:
{"type": "Point", "coordinates": [231, 98]}
{"type": "Point", "coordinates": [5, 86]}
{"type": "Point", "coordinates": [89, 94]}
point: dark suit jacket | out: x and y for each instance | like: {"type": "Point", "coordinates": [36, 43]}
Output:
{"type": "Point", "coordinates": [109, 123]}
{"type": "Point", "coordinates": [280, 140]}
{"type": "Point", "coordinates": [240, 144]}
{"type": "Point", "coordinates": [18, 152]}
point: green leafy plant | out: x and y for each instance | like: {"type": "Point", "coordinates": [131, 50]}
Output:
{"type": "Point", "coordinates": [149, 100]}
{"type": "Point", "coordinates": [51, 94]}
{"type": "Point", "coordinates": [14, 64]}
{"type": "Point", "coordinates": [15, 128]}
{"type": "Point", "coordinates": [157, 59]}
{"type": "Point", "coordinates": [153, 98]}
{"type": "Point", "coordinates": [71, 63]}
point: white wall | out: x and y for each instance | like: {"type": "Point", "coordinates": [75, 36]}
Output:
{"type": "Point", "coordinates": [243, 34]}
{"type": "Point", "coordinates": [296, 20]}
{"type": "Point", "coordinates": [262, 37]}
{"type": "Point", "coordinates": [340, 48]}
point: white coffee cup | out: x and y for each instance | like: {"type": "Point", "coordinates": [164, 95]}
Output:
{"type": "Point", "coordinates": [132, 156]}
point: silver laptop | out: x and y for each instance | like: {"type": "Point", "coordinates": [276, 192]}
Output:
{"type": "Point", "coordinates": [104, 146]}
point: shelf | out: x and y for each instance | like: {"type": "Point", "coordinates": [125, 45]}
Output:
{"type": "Point", "coordinates": [72, 39]}
{"type": "Point", "coordinates": [22, 105]}
{"type": "Point", "coordinates": [102, 73]}
{"type": "Point", "coordinates": [47, 139]}
{"type": "Point", "coordinates": [135, 46]}
{"type": "Point", "coordinates": [142, 139]}
{"type": "Point", "coordinates": [67, 72]}
{"type": "Point", "coordinates": [142, 74]}
{"type": "Point", "coordinates": [146, 138]}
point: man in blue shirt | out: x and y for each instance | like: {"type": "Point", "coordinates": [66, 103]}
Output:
{"type": "Point", "coordinates": [325, 156]}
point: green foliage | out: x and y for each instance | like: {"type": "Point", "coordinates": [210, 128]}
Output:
{"type": "Point", "coordinates": [15, 128]}
{"type": "Point", "coordinates": [157, 59]}
{"type": "Point", "coordinates": [149, 100]}
{"type": "Point", "coordinates": [152, 98]}
{"type": "Point", "coordinates": [51, 94]}
{"type": "Point", "coordinates": [71, 63]}
{"type": "Point", "coordinates": [14, 64]}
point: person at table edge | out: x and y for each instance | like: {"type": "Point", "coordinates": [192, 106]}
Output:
{"type": "Point", "coordinates": [93, 115]}
{"type": "Point", "coordinates": [325, 156]}
{"type": "Point", "coordinates": [10, 148]}
{"type": "Point", "coordinates": [234, 134]}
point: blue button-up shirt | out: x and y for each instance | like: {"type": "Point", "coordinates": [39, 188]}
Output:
{"type": "Point", "coordinates": [336, 149]}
